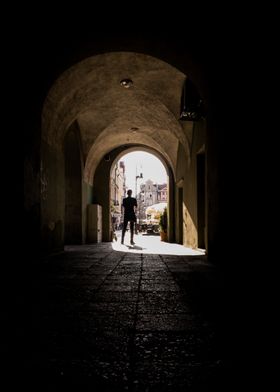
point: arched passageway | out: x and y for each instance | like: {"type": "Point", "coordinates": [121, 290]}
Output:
{"type": "Point", "coordinates": [145, 175]}
{"type": "Point", "coordinates": [116, 155]}
{"type": "Point", "coordinates": [172, 309]}
{"type": "Point", "coordinates": [114, 114]}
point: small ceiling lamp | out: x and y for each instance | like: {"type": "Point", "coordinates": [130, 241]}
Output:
{"type": "Point", "coordinates": [134, 129]}
{"type": "Point", "coordinates": [126, 83]}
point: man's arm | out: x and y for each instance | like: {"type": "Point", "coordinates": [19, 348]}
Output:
{"type": "Point", "coordinates": [122, 207]}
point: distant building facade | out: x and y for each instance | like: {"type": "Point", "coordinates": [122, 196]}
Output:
{"type": "Point", "coordinates": [118, 191]}
{"type": "Point", "coordinates": [150, 193]}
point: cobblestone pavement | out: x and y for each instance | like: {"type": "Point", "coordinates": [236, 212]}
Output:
{"type": "Point", "coordinates": [105, 320]}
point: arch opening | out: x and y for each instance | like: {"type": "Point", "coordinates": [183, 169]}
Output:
{"type": "Point", "coordinates": [102, 189]}
{"type": "Point", "coordinates": [146, 176]}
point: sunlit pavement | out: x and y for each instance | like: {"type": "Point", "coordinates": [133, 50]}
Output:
{"type": "Point", "coordinates": [151, 244]}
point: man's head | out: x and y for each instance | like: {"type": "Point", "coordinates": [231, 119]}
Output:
{"type": "Point", "coordinates": [129, 192]}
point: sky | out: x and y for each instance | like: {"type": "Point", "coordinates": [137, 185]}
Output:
{"type": "Point", "coordinates": [142, 162]}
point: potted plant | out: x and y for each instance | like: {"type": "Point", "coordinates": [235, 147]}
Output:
{"type": "Point", "coordinates": [163, 225]}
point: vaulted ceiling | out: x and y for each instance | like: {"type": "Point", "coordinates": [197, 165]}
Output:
{"type": "Point", "coordinates": [109, 114]}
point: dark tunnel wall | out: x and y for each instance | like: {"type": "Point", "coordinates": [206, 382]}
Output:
{"type": "Point", "coordinates": [73, 190]}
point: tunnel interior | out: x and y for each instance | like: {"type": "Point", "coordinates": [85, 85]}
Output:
{"type": "Point", "coordinates": [167, 319]}
{"type": "Point", "coordinates": [91, 101]}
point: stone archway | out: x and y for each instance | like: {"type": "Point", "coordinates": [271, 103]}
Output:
{"type": "Point", "coordinates": [101, 186]}
{"type": "Point", "coordinates": [170, 180]}
{"type": "Point", "coordinates": [110, 116]}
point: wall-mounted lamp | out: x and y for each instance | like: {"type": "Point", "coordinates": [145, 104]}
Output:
{"type": "Point", "coordinates": [192, 108]}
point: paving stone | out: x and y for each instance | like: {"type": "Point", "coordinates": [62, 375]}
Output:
{"type": "Point", "coordinates": [113, 308]}
{"type": "Point", "coordinates": [162, 302]}
{"type": "Point", "coordinates": [93, 323]}
{"type": "Point", "coordinates": [165, 285]}
{"type": "Point", "coordinates": [165, 322]}
{"type": "Point", "coordinates": [115, 296]}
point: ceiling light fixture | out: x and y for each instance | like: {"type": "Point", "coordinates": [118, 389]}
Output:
{"type": "Point", "coordinates": [126, 83]}
{"type": "Point", "coordinates": [134, 129]}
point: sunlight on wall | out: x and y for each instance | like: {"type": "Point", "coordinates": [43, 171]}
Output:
{"type": "Point", "coordinates": [189, 229]}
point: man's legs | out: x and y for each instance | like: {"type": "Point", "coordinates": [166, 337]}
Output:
{"type": "Point", "coordinates": [131, 232]}
{"type": "Point", "coordinates": [125, 222]}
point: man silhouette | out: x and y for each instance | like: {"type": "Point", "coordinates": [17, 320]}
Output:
{"type": "Point", "coordinates": [129, 204]}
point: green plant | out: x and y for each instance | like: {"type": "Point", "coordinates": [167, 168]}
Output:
{"type": "Point", "coordinates": [112, 207]}
{"type": "Point", "coordinates": [163, 220]}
